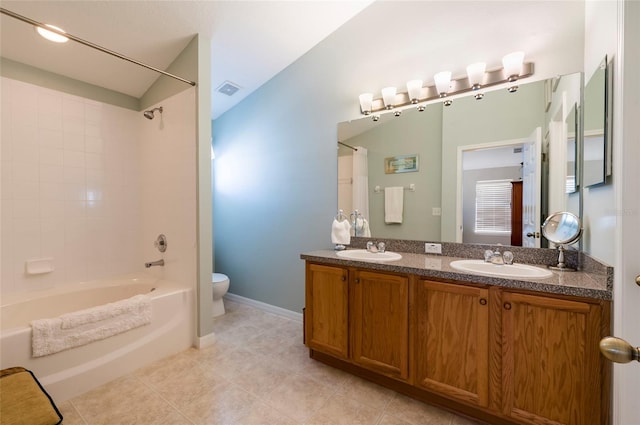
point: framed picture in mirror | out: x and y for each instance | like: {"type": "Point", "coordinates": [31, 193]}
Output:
{"type": "Point", "coordinates": [401, 164]}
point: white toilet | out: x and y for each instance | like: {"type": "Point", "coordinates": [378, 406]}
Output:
{"type": "Point", "coordinates": [220, 284]}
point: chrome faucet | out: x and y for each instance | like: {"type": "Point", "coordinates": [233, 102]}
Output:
{"type": "Point", "coordinates": [495, 257]}
{"type": "Point", "coordinates": [376, 247]}
{"type": "Point", "coordinates": [154, 263]}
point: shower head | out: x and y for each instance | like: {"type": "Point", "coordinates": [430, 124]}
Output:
{"type": "Point", "coordinates": [149, 114]}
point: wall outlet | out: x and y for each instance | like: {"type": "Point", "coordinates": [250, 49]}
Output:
{"type": "Point", "coordinates": [433, 248]}
{"type": "Point", "coordinates": [436, 211]}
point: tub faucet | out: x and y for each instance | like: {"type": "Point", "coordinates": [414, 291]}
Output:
{"type": "Point", "coordinates": [154, 263]}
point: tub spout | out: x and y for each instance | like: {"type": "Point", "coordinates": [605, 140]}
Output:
{"type": "Point", "coordinates": [154, 263]}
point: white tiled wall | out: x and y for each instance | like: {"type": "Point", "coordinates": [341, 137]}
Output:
{"type": "Point", "coordinates": [168, 181]}
{"type": "Point", "coordinates": [70, 187]}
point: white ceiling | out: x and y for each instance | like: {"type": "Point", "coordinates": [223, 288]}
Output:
{"type": "Point", "coordinates": [251, 41]}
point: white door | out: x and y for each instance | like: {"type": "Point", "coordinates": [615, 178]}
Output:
{"type": "Point", "coordinates": [531, 189]}
{"type": "Point", "coordinates": [626, 410]}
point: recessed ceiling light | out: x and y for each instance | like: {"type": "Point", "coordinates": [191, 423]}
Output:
{"type": "Point", "coordinates": [50, 35]}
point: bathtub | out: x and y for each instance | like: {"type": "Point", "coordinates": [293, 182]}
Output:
{"type": "Point", "coordinates": [77, 370]}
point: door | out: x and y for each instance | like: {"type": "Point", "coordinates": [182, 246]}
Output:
{"type": "Point", "coordinates": [627, 174]}
{"type": "Point", "coordinates": [452, 340]}
{"type": "Point", "coordinates": [551, 370]}
{"type": "Point", "coordinates": [380, 323]}
{"type": "Point", "coordinates": [531, 189]}
{"type": "Point", "coordinates": [326, 309]}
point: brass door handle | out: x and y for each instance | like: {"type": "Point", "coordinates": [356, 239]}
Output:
{"type": "Point", "coordinates": [483, 301]}
{"type": "Point", "coordinates": [507, 306]}
{"type": "Point", "coordinates": [618, 350]}
{"type": "Point", "coordinates": [344, 278]}
{"type": "Point", "coordinates": [638, 280]}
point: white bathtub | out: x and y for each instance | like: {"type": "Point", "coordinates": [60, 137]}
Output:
{"type": "Point", "coordinates": [77, 370]}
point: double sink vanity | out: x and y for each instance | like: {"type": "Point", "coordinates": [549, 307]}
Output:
{"type": "Point", "coordinates": [505, 344]}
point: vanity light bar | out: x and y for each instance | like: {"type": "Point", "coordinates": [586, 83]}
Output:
{"type": "Point", "coordinates": [458, 86]}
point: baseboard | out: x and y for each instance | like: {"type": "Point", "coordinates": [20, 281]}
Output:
{"type": "Point", "coordinates": [265, 307]}
{"type": "Point", "coordinates": [205, 341]}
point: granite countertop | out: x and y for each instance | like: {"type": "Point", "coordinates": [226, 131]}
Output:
{"type": "Point", "coordinates": [582, 284]}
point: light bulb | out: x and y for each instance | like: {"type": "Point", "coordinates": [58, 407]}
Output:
{"type": "Point", "coordinates": [366, 103]}
{"type": "Point", "coordinates": [443, 82]}
{"type": "Point", "coordinates": [414, 87]}
{"type": "Point", "coordinates": [389, 96]}
{"type": "Point", "coordinates": [475, 73]}
{"type": "Point", "coordinates": [512, 64]}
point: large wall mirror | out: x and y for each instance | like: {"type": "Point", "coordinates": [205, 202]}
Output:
{"type": "Point", "coordinates": [474, 160]}
{"type": "Point", "coordinates": [596, 146]}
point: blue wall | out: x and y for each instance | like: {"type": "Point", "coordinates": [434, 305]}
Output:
{"type": "Point", "coordinates": [275, 172]}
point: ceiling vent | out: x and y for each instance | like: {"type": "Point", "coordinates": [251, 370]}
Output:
{"type": "Point", "coordinates": [228, 88]}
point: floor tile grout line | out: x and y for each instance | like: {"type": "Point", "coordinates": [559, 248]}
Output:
{"type": "Point", "coordinates": [174, 407]}
{"type": "Point", "coordinates": [78, 412]}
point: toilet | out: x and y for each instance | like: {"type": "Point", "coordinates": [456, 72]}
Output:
{"type": "Point", "coordinates": [220, 284]}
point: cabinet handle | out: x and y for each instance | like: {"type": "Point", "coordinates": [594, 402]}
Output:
{"type": "Point", "coordinates": [507, 306]}
{"type": "Point", "coordinates": [483, 301]}
{"type": "Point", "coordinates": [357, 280]}
{"type": "Point", "coordinates": [343, 278]}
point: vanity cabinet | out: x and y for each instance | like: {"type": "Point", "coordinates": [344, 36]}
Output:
{"type": "Point", "coordinates": [551, 365]}
{"type": "Point", "coordinates": [380, 322]}
{"type": "Point", "coordinates": [452, 340]}
{"type": "Point", "coordinates": [502, 355]}
{"type": "Point", "coordinates": [327, 309]}
{"type": "Point", "coordinates": [360, 316]}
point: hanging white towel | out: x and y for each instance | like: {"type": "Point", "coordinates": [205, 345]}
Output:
{"type": "Point", "coordinates": [362, 228]}
{"type": "Point", "coordinates": [393, 204]}
{"type": "Point", "coordinates": [340, 232]}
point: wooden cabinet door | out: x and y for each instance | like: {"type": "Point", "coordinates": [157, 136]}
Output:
{"type": "Point", "coordinates": [380, 323]}
{"type": "Point", "coordinates": [326, 310]}
{"type": "Point", "coordinates": [452, 340]}
{"type": "Point", "coordinates": [550, 361]}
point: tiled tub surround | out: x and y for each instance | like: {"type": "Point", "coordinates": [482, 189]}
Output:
{"type": "Point", "coordinates": [595, 280]}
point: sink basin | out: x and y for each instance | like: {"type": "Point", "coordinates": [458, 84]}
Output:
{"type": "Point", "coordinates": [513, 270]}
{"type": "Point", "coordinates": [364, 255]}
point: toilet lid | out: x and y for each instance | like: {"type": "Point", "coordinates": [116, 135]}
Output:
{"type": "Point", "coordinates": [218, 277]}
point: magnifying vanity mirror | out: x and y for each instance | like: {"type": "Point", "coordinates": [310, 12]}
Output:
{"type": "Point", "coordinates": [562, 228]}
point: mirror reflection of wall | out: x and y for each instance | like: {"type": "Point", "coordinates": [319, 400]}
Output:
{"type": "Point", "coordinates": [594, 127]}
{"type": "Point", "coordinates": [562, 146]}
{"type": "Point", "coordinates": [416, 133]}
{"type": "Point", "coordinates": [487, 190]}
{"type": "Point", "coordinates": [572, 152]}
{"type": "Point", "coordinates": [435, 135]}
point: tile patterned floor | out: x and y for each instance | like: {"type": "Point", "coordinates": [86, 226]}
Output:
{"type": "Point", "coordinates": [258, 372]}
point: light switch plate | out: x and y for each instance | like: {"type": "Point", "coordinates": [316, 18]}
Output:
{"type": "Point", "coordinates": [436, 211]}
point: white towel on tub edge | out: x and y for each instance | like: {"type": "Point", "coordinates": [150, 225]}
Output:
{"type": "Point", "coordinates": [50, 336]}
